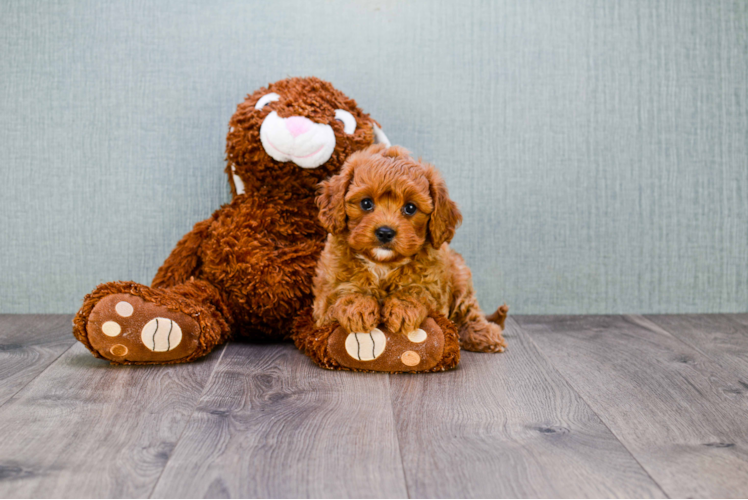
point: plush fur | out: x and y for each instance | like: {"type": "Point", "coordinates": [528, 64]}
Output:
{"type": "Point", "coordinates": [248, 269]}
{"type": "Point", "coordinates": [362, 281]}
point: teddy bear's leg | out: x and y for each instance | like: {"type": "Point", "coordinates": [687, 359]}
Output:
{"type": "Point", "coordinates": [431, 348]}
{"type": "Point", "coordinates": [129, 323]}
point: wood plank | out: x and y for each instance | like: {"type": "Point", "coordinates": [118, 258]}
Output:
{"type": "Point", "coordinates": [508, 425]}
{"type": "Point", "coordinates": [741, 318]}
{"type": "Point", "coordinates": [680, 414]}
{"type": "Point", "coordinates": [28, 345]}
{"type": "Point", "coordinates": [272, 424]}
{"type": "Point", "coordinates": [721, 337]}
{"type": "Point", "coordinates": [85, 428]}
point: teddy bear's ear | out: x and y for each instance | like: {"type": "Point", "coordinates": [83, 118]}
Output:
{"type": "Point", "coordinates": [446, 216]}
{"type": "Point", "coordinates": [331, 199]}
{"type": "Point", "coordinates": [379, 137]}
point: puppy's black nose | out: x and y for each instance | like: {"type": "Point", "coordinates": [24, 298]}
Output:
{"type": "Point", "coordinates": [385, 234]}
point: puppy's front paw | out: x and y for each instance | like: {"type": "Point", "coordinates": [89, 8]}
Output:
{"type": "Point", "coordinates": [403, 316]}
{"type": "Point", "coordinates": [357, 313]}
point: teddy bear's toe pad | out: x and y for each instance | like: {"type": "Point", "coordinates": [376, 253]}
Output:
{"type": "Point", "coordinates": [365, 346]}
{"type": "Point", "coordinates": [125, 328]}
{"type": "Point", "coordinates": [383, 351]}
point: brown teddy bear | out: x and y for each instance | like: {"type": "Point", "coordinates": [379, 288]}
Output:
{"type": "Point", "coordinates": [248, 269]}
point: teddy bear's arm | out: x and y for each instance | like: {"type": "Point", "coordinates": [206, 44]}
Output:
{"type": "Point", "coordinates": [184, 260]}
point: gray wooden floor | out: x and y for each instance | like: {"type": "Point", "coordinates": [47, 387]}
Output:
{"type": "Point", "coordinates": [579, 406]}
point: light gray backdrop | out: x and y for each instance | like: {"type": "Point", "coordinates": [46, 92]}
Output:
{"type": "Point", "coordinates": [598, 149]}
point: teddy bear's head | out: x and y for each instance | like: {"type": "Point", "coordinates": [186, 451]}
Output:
{"type": "Point", "coordinates": [294, 133]}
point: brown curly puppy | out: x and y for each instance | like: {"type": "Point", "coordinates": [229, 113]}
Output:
{"type": "Point", "coordinates": [248, 269]}
{"type": "Point", "coordinates": [387, 259]}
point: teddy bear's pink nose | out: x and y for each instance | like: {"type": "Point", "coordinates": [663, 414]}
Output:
{"type": "Point", "coordinates": [297, 125]}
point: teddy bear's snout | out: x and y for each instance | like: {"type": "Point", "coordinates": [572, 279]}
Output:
{"type": "Point", "coordinates": [298, 125]}
{"type": "Point", "coordinates": [297, 139]}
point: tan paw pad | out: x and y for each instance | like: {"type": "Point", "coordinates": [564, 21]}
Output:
{"type": "Point", "coordinates": [365, 346]}
{"type": "Point", "coordinates": [118, 350]}
{"type": "Point", "coordinates": [161, 334]}
{"type": "Point", "coordinates": [124, 309]}
{"type": "Point", "coordinates": [410, 358]}
{"type": "Point", "coordinates": [111, 329]}
{"type": "Point", "coordinates": [417, 336]}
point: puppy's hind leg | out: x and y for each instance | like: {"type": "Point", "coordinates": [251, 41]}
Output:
{"type": "Point", "coordinates": [477, 332]}
{"type": "Point", "coordinates": [483, 334]}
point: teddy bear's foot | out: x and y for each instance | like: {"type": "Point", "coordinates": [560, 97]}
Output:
{"type": "Point", "coordinates": [129, 323]}
{"type": "Point", "coordinates": [383, 351]}
{"type": "Point", "coordinates": [432, 347]}
{"type": "Point", "coordinates": [124, 328]}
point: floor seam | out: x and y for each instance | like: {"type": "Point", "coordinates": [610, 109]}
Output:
{"type": "Point", "coordinates": [726, 373]}
{"type": "Point", "coordinates": [397, 436]}
{"type": "Point", "coordinates": [553, 366]}
{"type": "Point", "coordinates": [687, 343]}
{"type": "Point", "coordinates": [192, 414]}
{"type": "Point", "coordinates": [37, 375]}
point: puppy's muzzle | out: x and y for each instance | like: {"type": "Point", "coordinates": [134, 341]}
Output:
{"type": "Point", "coordinates": [385, 234]}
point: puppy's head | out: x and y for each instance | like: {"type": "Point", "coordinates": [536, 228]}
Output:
{"type": "Point", "coordinates": [387, 205]}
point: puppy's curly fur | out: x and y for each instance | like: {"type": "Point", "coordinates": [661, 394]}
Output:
{"type": "Point", "coordinates": [387, 258]}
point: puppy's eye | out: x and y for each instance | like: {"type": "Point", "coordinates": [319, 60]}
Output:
{"type": "Point", "coordinates": [349, 122]}
{"type": "Point", "coordinates": [267, 99]}
{"type": "Point", "coordinates": [409, 209]}
{"type": "Point", "coordinates": [367, 205]}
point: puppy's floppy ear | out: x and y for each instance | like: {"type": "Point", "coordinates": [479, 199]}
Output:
{"type": "Point", "coordinates": [331, 199]}
{"type": "Point", "coordinates": [446, 216]}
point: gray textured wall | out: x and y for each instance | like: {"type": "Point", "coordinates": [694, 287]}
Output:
{"type": "Point", "coordinates": [598, 149]}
